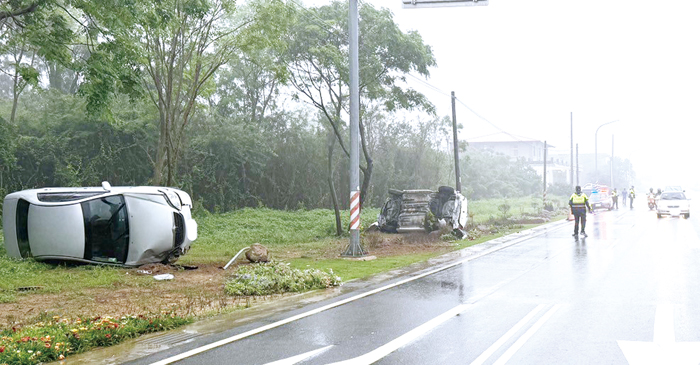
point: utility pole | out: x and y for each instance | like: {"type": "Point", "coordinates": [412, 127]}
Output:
{"type": "Point", "coordinates": [612, 161]}
{"type": "Point", "coordinates": [572, 151]}
{"type": "Point", "coordinates": [458, 178]}
{"type": "Point", "coordinates": [577, 168]}
{"type": "Point", "coordinates": [544, 175]}
{"type": "Point", "coordinates": [354, 248]}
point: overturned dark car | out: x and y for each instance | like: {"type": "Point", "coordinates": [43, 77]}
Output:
{"type": "Point", "coordinates": [424, 210]}
{"type": "Point", "coordinates": [129, 226]}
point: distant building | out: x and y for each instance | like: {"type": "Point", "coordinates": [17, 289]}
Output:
{"type": "Point", "coordinates": [531, 150]}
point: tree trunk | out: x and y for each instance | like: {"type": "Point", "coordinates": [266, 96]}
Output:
{"type": "Point", "coordinates": [161, 153]}
{"type": "Point", "coordinates": [331, 185]}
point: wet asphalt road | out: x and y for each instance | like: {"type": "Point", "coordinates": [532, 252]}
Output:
{"type": "Point", "coordinates": [628, 293]}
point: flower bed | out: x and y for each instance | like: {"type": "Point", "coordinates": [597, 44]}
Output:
{"type": "Point", "coordinates": [59, 337]}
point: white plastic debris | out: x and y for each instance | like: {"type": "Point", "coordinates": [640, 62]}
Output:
{"type": "Point", "coordinates": [164, 277]}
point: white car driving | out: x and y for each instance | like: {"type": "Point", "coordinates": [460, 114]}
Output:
{"type": "Point", "coordinates": [672, 203]}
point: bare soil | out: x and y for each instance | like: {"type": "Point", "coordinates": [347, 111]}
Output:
{"type": "Point", "coordinates": [193, 291]}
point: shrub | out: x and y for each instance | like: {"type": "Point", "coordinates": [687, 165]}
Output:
{"type": "Point", "coordinates": [276, 278]}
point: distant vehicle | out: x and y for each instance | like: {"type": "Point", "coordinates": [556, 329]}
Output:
{"type": "Point", "coordinates": [673, 203]}
{"type": "Point", "coordinates": [599, 196]}
{"type": "Point", "coordinates": [673, 188]}
{"type": "Point", "coordinates": [423, 210]}
{"type": "Point", "coordinates": [128, 226]}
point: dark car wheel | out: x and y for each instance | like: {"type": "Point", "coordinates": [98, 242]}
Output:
{"type": "Point", "coordinates": [447, 190]}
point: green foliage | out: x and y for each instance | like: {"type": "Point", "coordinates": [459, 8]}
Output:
{"type": "Point", "coordinates": [54, 338]}
{"type": "Point", "coordinates": [488, 175]}
{"type": "Point", "coordinates": [562, 189]}
{"type": "Point", "coordinates": [240, 145]}
{"type": "Point", "coordinates": [277, 278]}
{"type": "Point", "coordinates": [504, 208]}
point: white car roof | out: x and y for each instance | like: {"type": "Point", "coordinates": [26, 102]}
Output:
{"type": "Point", "coordinates": [32, 195]}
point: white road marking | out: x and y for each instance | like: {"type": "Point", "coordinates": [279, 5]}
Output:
{"type": "Point", "coordinates": [408, 337]}
{"type": "Point", "coordinates": [299, 358]}
{"type": "Point", "coordinates": [664, 333]}
{"type": "Point", "coordinates": [252, 332]}
{"type": "Point", "coordinates": [496, 345]}
{"type": "Point", "coordinates": [664, 349]}
{"type": "Point", "coordinates": [521, 341]}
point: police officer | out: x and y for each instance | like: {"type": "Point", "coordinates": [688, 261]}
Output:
{"type": "Point", "coordinates": [614, 197]}
{"type": "Point", "coordinates": [578, 203]}
{"type": "Point", "coordinates": [632, 196]}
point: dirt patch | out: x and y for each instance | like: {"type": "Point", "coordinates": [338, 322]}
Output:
{"type": "Point", "coordinates": [193, 291]}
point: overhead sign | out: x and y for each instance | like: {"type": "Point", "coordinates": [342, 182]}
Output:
{"type": "Point", "coordinates": [410, 4]}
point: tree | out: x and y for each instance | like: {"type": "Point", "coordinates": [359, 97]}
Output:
{"type": "Point", "coordinates": [318, 65]}
{"type": "Point", "coordinates": [170, 50]}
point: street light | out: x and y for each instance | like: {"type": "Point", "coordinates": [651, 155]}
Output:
{"type": "Point", "coordinates": [596, 147]}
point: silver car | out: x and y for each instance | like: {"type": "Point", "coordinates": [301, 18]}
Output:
{"type": "Point", "coordinates": [128, 226]}
{"type": "Point", "coordinates": [412, 210]}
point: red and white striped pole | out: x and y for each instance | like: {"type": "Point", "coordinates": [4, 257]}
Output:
{"type": "Point", "coordinates": [355, 210]}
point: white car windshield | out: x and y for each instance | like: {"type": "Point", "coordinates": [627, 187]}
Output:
{"type": "Point", "coordinates": [673, 196]}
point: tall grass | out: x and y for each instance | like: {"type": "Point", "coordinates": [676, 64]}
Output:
{"type": "Point", "coordinates": [486, 210]}
{"type": "Point", "coordinates": [221, 236]}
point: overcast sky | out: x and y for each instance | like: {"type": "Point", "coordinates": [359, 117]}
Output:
{"type": "Point", "coordinates": [526, 66]}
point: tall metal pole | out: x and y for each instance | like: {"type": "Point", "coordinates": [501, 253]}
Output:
{"type": "Point", "coordinates": [572, 149]}
{"type": "Point", "coordinates": [354, 248]}
{"type": "Point", "coordinates": [612, 161]}
{"type": "Point", "coordinates": [458, 177]}
{"type": "Point", "coordinates": [544, 174]}
{"type": "Point", "coordinates": [577, 167]}
{"type": "Point", "coordinates": [596, 147]}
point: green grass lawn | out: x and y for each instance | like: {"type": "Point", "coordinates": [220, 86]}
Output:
{"type": "Point", "coordinates": [221, 236]}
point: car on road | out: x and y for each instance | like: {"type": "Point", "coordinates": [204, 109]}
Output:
{"type": "Point", "coordinates": [673, 203]}
{"type": "Point", "coordinates": [673, 188]}
{"type": "Point", "coordinates": [128, 226]}
{"type": "Point", "coordinates": [600, 200]}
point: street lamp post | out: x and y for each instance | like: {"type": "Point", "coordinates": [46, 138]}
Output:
{"type": "Point", "coordinates": [596, 146]}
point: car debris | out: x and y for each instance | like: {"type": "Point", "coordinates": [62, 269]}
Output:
{"type": "Point", "coordinates": [127, 226]}
{"type": "Point", "coordinates": [162, 277]}
{"type": "Point", "coordinates": [424, 210]}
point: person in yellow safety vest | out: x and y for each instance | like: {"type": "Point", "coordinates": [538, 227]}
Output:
{"type": "Point", "coordinates": [578, 203]}
{"type": "Point", "coordinates": [614, 196]}
{"type": "Point", "coordinates": [632, 196]}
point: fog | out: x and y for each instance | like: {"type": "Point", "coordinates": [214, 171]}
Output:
{"type": "Point", "coordinates": [527, 67]}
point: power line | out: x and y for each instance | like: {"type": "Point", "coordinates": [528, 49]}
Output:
{"type": "Point", "coordinates": [436, 89]}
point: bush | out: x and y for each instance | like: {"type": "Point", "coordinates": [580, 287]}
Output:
{"type": "Point", "coordinates": [277, 278]}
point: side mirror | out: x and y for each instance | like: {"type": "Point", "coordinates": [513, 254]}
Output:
{"type": "Point", "coordinates": [106, 186]}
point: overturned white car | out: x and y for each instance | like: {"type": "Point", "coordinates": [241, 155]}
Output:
{"type": "Point", "coordinates": [128, 226]}
{"type": "Point", "coordinates": [423, 210]}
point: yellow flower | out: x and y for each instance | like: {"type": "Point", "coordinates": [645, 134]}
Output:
{"type": "Point", "coordinates": [74, 330]}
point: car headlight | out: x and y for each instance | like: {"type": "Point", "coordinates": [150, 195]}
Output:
{"type": "Point", "coordinates": [173, 199]}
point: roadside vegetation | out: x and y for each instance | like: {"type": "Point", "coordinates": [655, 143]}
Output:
{"type": "Point", "coordinates": [260, 167]}
{"type": "Point", "coordinates": [305, 256]}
